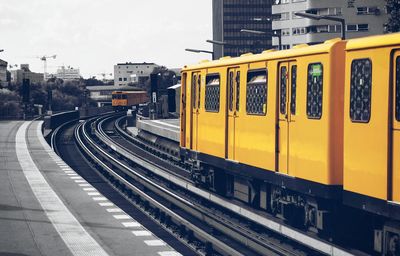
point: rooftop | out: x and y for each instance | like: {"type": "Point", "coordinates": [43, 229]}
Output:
{"type": "Point", "coordinates": [136, 63]}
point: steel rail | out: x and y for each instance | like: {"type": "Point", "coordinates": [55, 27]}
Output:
{"type": "Point", "coordinates": [287, 231]}
{"type": "Point", "coordinates": [239, 232]}
{"type": "Point", "coordinates": [220, 246]}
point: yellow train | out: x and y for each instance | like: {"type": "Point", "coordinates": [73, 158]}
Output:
{"type": "Point", "coordinates": [310, 135]}
{"type": "Point", "coordinates": [122, 100]}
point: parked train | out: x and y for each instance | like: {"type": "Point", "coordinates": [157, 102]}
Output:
{"type": "Point", "coordinates": [310, 135]}
{"type": "Point", "coordinates": [123, 100]}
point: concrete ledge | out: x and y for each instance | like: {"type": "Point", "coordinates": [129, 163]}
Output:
{"type": "Point", "coordinates": [168, 128]}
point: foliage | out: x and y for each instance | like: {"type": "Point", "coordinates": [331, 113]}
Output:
{"type": "Point", "coordinates": [393, 9]}
{"type": "Point", "coordinates": [9, 104]}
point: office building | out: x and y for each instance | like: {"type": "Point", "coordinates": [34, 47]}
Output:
{"type": "Point", "coordinates": [363, 18]}
{"type": "Point", "coordinates": [68, 73]}
{"type": "Point", "coordinates": [231, 16]}
{"type": "Point", "coordinates": [3, 73]}
{"type": "Point", "coordinates": [132, 73]}
{"type": "Point", "coordinates": [24, 73]}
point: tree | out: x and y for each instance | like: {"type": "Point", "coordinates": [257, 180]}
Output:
{"type": "Point", "coordinates": [393, 9]}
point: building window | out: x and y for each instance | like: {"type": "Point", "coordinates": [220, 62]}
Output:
{"type": "Point", "coordinates": [398, 88]}
{"type": "Point", "coordinates": [363, 27]}
{"type": "Point", "coordinates": [357, 27]}
{"type": "Point", "coordinates": [120, 79]}
{"type": "Point", "coordinates": [285, 32]}
{"type": "Point", "coordinates": [293, 90]}
{"type": "Point", "coordinates": [314, 90]}
{"type": "Point", "coordinates": [212, 93]}
{"type": "Point", "coordinates": [299, 31]}
{"type": "Point", "coordinates": [360, 90]}
{"type": "Point", "coordinates": [256, 92]}
{"type": "Point", "coordinates": [125, 79]}
{"type": "Point", "coordinates": [364, 10]}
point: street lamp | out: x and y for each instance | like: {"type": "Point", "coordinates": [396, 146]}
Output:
{"type": "Point", "coordinates": [200, 51]}
{"type": "Point", "coordinates": [257, 32]}
{"type": "Point", "coordinates": [325, 17]}
{"type": "Point", "coordinates": [222, 43]}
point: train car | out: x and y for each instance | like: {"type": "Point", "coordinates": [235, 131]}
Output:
{"type": "Point", "coordinates": [123, 100]}
{"type": "Point", "coordinates": [311, 135]}
{"type": "Point", "coordinates": [372, 135]}
{"type": "Point", "coordinates": [260, 128]}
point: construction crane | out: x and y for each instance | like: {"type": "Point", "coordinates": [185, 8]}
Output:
{"type": "Point", "coordinates": [44, 59]}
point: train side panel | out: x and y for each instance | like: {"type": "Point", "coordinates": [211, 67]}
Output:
{"type": "Point", "coordinates": [255, 123]}
{"type": "Point", "coordinates": [315, 134]}
{"type": "Point", "coordinates": [366, 120]}
{"type": "Point", "coordinates": [211, 117]}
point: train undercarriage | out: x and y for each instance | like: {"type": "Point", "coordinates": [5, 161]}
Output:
{"type": "Point", "coordinates": [328, 219]}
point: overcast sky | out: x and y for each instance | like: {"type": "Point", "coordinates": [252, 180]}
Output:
{"type": "Point", "coordinates": [93, 35]}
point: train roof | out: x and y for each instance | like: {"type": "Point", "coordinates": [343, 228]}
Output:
{"type": "Point", "coordinates": [373, 41]}
{"type": "Point", "coordinates": [299, 50]}
{"type": "Point", "coordinates": [128, 92]}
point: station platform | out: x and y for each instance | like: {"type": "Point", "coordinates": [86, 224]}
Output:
{"type": "Point", "coordinates": [167, 128]}
{"type": "Point", "coordinates": [46, 208]}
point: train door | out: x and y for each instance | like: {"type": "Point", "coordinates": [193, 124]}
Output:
{"type": "Point", "coordinates": [195, 105]}
{"type": "Point", "coordinates": [286, 112]}
{"type": "Point", "coordinates": [233, 93]}
{"type": "Point", "coordinates": [395, 193]}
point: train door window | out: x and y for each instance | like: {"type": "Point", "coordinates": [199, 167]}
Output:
{"type": "Point", "coordinates": [293, 90]}
{"type": "Point", "coordinates": [230, 102]}
{"type": "Point", "coordinates": [212, 92]}
{"type": "Point", "coordinates": [360, 90]}
{"type": "Point", "coordinates": [398, 88]}
{"type": "Point", "coordinates": [237, 90]}
{"type": "Point", "coordinates": [314, 90]}
{"type": "Point", "coordinates": [256, 92]}
{"type": "Point", "coordinates": [283, 90]}
{"type": "Point", "coordinates": [194, 82]}
{"type": "Point", "coordinates": [199, 91]}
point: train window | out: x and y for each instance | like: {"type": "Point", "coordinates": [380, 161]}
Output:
{"type": "Point", "coordinates": [237, 90]}
{"type": "Point", "coordinates": [212, 93]}
{"type": "Point", "coordinates": [314, 90]}
{"type": "Point", "coordinates": [194, 82]}
{"type": "Point", "coordinates": [256, 92]}
{"type": "Point", "coordinates": [199, 91]}
{"type": "Point", "coordinates": [282, 89]}
{"type": "Point", "coordinates": [360, 90]}
{"type": "Point", "coordinates": [124, 96]}
{"type": "Point", "coordinates": [293, 90]}
{"type": "Point", "coordinates": [230, 102]}
{"type": "Point", "coordinates": [398, 88]}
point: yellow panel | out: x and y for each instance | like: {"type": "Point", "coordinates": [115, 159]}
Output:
{"type": "Point", "coordinates": [366, 144]}
{"type": "Point", "coordinates": [211, 126]}
{"type": "Point", "coordinates": [396, 166]}
{"type": "Point", "coordinates": [255, 135]}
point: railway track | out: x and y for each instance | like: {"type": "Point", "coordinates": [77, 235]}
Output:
{"type": "Point", "coordinates": [211, 225]}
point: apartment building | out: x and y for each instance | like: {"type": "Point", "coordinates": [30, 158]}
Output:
{"type": "Point", "coordinates": [363, 18]}
{"type": "Point", "coordinates": [132, 73]}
